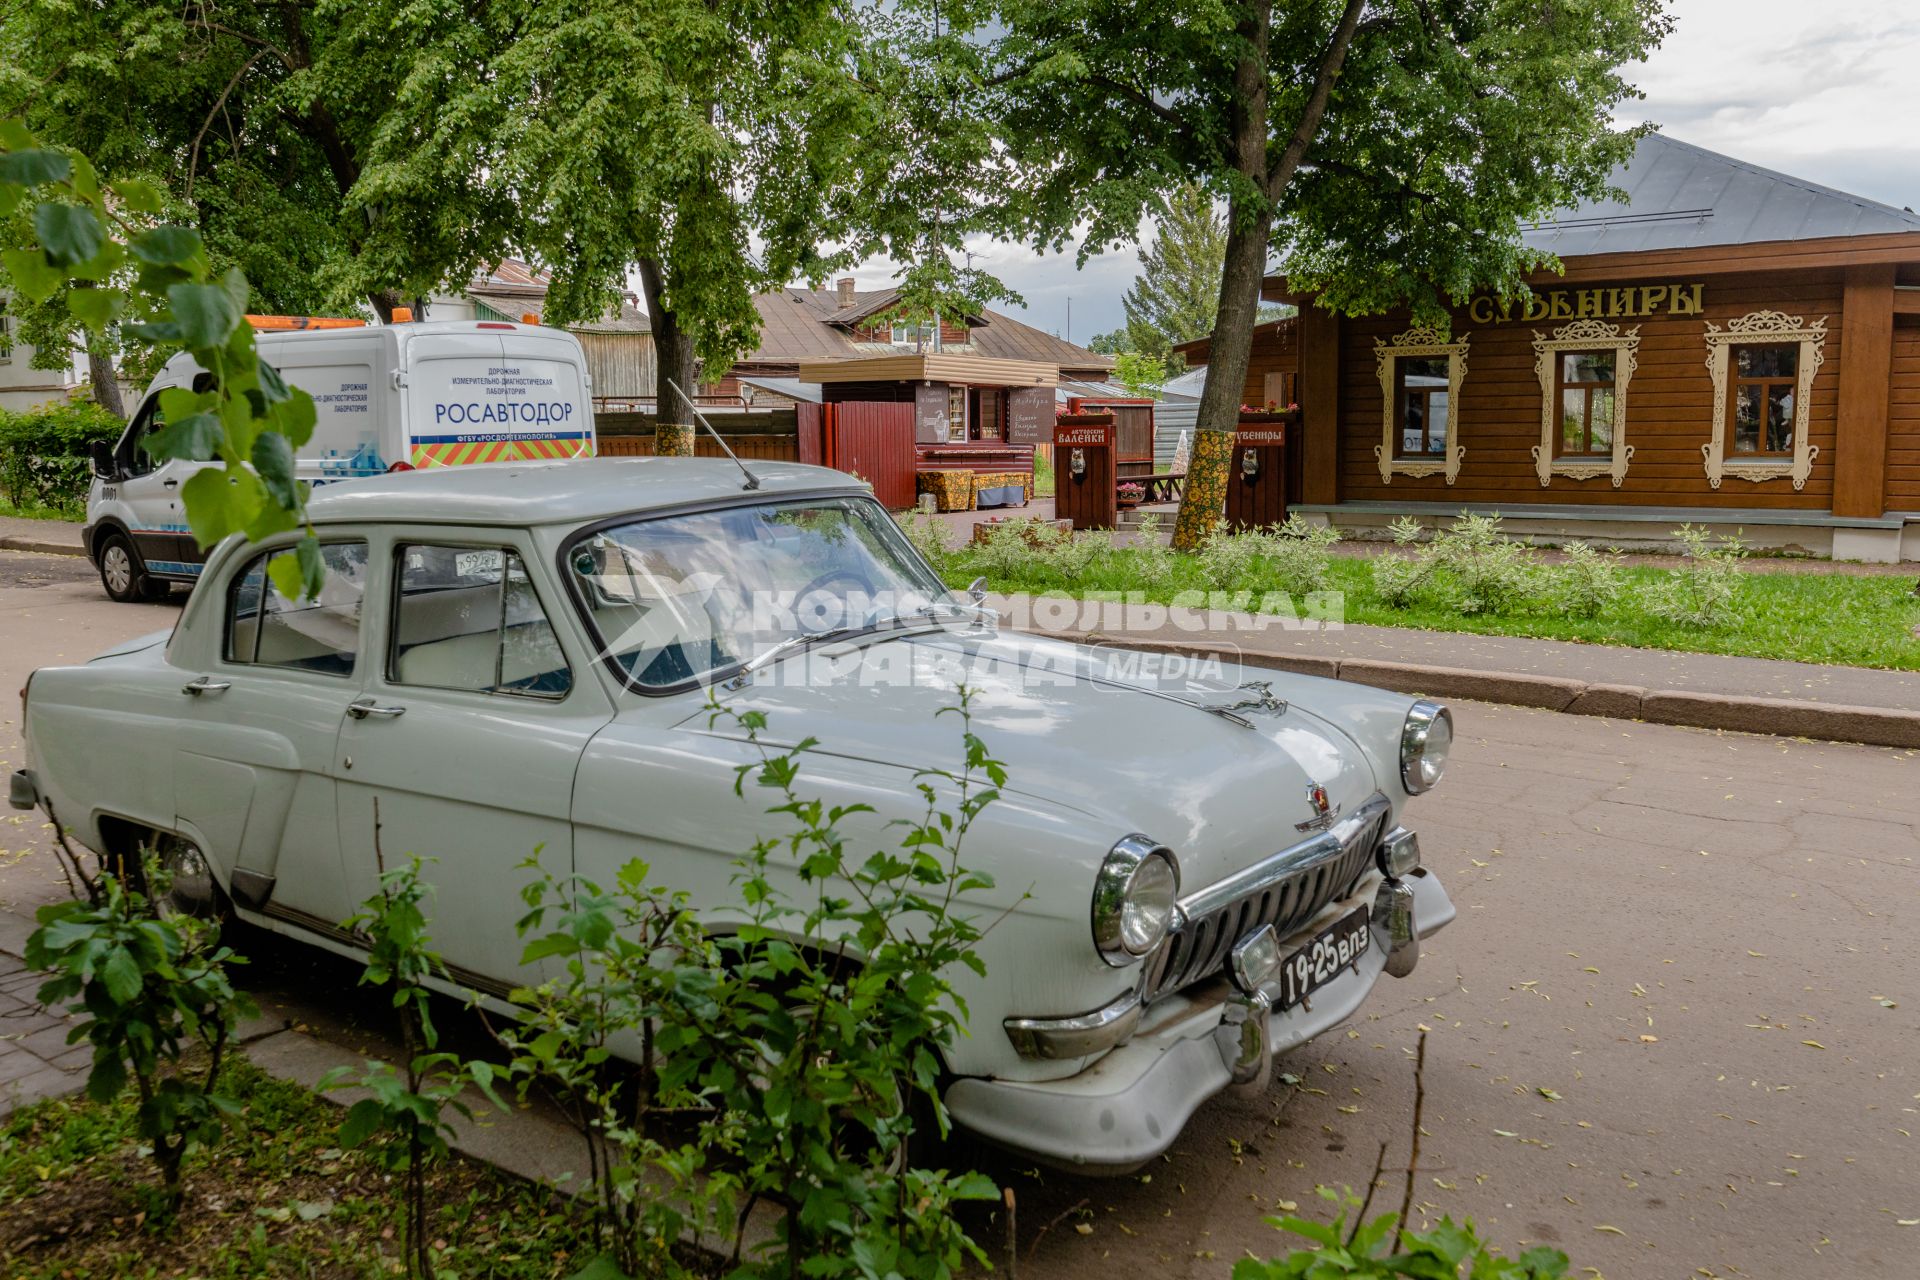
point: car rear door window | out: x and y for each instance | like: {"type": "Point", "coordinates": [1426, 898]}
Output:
{"type": "Point", "coordinates": [469, 618]}
{"type": "Point", "coordinates": [323, 634]}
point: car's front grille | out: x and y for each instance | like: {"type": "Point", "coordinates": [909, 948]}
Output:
{"type": "Point", "coordinates": [1286, 891]}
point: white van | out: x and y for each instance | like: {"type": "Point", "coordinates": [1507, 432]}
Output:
{"type": "Point", "coordinates": [392, 397]}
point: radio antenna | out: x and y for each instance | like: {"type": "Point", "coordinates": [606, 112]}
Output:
{"type": "Point", "coordinates": [753, 481]}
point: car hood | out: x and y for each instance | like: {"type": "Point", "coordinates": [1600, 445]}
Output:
{"type": "Point", "coordinates": [1073, 730]}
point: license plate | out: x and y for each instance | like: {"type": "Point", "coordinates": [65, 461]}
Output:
{"type": "Point", "coordinates": [1321, 960]}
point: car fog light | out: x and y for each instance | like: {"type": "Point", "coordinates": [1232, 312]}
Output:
{"type": "Point", "coordinates": [1425, 740]}
{"type": "Point", "coordinates": [1135, 900]}
{"type": "Point", "coordinates": [1256, 960]}
{"type": "Point", "coordinates": [1399, 852]}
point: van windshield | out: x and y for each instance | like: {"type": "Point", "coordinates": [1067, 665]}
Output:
{"type": "Point", "coordinates": [675, 600]}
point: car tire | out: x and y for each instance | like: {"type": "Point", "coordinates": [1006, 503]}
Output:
{"type": "Point", "coordinates": [191, 891]}
{"type": "Point", "coordinates": [120, 569]}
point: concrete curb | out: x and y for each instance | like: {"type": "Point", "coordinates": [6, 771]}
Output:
{"type": "Point", "coordinates": [1782, 717]}
{"type": "Point", "coordinates": [41, 548]}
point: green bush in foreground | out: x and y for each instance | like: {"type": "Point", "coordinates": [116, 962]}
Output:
{"type": "Point", "coordinates": [1367, 1252]}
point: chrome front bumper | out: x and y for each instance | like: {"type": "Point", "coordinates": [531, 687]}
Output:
{"type": "Point", "coordinates": [1131, 1104]}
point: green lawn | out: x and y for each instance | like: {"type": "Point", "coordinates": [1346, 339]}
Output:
{"type": "Point", "coordinates": [41, 513]}
{"type": "Point", "coordinates": [1806, 617]}
{"type": "Point", "coordinates": [277, 1196]}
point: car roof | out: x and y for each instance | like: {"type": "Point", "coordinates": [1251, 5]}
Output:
{"type": "Point", "coordinates": [561, 492]}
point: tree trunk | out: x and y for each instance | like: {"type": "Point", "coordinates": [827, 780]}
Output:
{"type": "Point", "coordinates": [673, 417]}
{"type": "Point", "coordinates": [1249, 227]}
{"type": "Point", "coordinates": [106, 382]}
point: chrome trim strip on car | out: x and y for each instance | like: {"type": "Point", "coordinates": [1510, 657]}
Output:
{"type": "Point", "coordinates": [1077, 1036]}
{"type": "Point", "coordinates": [1285, 890]}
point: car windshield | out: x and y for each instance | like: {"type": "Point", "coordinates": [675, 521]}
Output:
{"type": "Point", "coordinates": [678, 599]}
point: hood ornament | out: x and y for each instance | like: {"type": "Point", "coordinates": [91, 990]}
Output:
{"type": "Point", "coordinates": [1325, 811]}
{"type": "Point", "coordinates": [1263, 699]}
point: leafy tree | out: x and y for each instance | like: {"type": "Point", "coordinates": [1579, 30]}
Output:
{"type": "Point", "coordinates": [1140, 373]}
{"type": "Point", "coordinates": [1386, 151]}
{"type": "Point", "coordinates": [1178, 289]}
{"type": "Point", "coordinates": [250, 119]}
{"type": "Point", "coordinates": [709, 148]}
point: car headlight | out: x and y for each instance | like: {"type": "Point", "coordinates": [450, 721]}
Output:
{"type": "Point", "coordinates": [1425, 740]}
{"type": "Point", "coordinates": [1135, 899]}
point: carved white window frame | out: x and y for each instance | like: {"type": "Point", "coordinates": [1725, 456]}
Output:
{"type": "Point", "coordinates": [1419, 342]}
{"type": "Point", "coordinates": [1583, 335]}
{"type": "Point", "coordinates": [1764, 327]}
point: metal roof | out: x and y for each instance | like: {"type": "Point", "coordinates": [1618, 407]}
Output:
{"type": "Point", "coordinates": [573, 492]}
{"type": "Point", "coordinates": [810, 324]}
{"type": "Point", "coordinates": [1680, 196]}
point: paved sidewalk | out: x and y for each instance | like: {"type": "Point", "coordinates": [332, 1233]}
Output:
{"type": "Point", "coordinates": [1793, 699]}
{"type": "Point", "coordinates": [57, 537]}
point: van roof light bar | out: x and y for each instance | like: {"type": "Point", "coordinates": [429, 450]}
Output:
{"type": "Point", "coordinates": [753, 481]}
{"type": "Point", "coordinates": [304, 322]}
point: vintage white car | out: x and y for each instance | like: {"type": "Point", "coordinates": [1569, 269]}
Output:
{"type": "Point", "coordinates": [520, 656]}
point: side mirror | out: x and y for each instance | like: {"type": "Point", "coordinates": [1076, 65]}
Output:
{"type": "Point", "coordinates": [977, 591]}
{"type": "Point", "coordinates": [101, 454]}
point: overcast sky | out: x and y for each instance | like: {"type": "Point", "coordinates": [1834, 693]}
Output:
{"type": "Point", "coordinates": [1828, 91]}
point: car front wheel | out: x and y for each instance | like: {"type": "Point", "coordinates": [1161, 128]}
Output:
{"type": "Point", "coordinates": [120, 571]}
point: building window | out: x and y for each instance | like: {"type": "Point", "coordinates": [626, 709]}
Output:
{"type": "Point", "coordinates": [1420, 377]}
{"type": "Point", "coordinates": [1420, 392]}
{"type": "Point", "coordinates": [956, 413]}
{"type": "Point", "coordinates": [1585, 387]}
{"type": "Point", "coordinates": [1763, 365]}
{"type": "Point", "coordinates": [6, 338]}
{"type": "Point", "coordinates": [911, 334]}
{"type": "Point", "coordinates": [1760, 410]}
{"type": "Point", "coordinates": [1584, 370]}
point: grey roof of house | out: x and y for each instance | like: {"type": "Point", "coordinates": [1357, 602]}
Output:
{"type": "Point", "coordinates": [810, 324]}
{"type": "Point", "coordinates": [1680, 196]}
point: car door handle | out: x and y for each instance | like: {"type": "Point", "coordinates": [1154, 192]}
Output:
{"type": "Point", "coordinates": [206, 684]}
{"type": "Point", "coordinates": [361, 708]}
{"type": "Point", "coordinates": [169, 484]}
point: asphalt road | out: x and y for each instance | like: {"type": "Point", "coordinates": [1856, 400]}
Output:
{"type": "Point", "coordinates": [1673, 1031]}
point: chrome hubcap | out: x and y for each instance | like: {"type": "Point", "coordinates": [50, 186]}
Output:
{"type": "Point", "coordinates": [189, 881]}
{"type": "Point", "coordinates": [118, 567]}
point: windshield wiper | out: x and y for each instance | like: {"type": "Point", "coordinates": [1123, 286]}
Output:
{"type": "Point", "coordinates": [779, 649]}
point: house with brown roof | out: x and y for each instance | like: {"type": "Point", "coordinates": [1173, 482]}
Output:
{"type": "Point", "coordinates": [844, 323]}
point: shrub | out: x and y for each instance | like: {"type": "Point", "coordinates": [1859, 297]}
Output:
{"type": "Point", "coordinates": [1068, 556]}
{"type": "Point", "coordinates": [1226, 560]}
{"type": "Point", "coordinates": [1398, 579]}
{"type": "Point", "coordinates": [806, 1067]}
{"type": "Point", "coordinates": [1586, 582]}
{"type": "Point", "coordinates": [1368, 1252]}
{"type": "Point", "coordinates": [410, 1105]}
{"type": "Point", "coordinates": [44, 453]}
{"type": "Point", "coordinates": [149, 988]}
{"type": "Point", "coordinates": [1488, 572]}
{"type": "Point", "coordinates": [1701, 592]}
{"type": "Point", "coordinates": [1299, 555]}
{"type": "Point", "coordinates": [1152, 557]}
{"type": "Point", "coordinates": [929, 538]}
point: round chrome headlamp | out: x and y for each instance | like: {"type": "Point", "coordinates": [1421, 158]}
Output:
{"type": "Point", "coordinates": [1135, 899]}
{"type": "Point", "coordinates": [1425, 740]}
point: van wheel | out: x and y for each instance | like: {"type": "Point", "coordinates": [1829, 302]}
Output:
{"type": "Point", "coordinates": [120, 571]}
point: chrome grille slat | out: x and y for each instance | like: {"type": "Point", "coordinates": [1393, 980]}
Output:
{"type": "Point", "coordinates": [1286, 890]}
